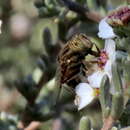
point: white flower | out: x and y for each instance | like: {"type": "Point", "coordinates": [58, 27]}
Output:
{"type": "Point", "coordinates": [85, 94]}
{"type": "Point", "coordinates": [105, 30]}
{"type": "Point", "coordinates": [95, 78]}
{"type": "Point", "coordinates": [106, 60]}
{"type": "Point", "coordinates": [110, 49]}
{"type": "Point", "coordinates": [0, 26]}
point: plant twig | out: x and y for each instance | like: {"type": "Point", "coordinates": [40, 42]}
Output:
{"type": "Point", "coordinates": [57, 124]}
{"type": "Point", "coordinates": [26, 116]}
{"type": "Point", "coordinates": [108, 123]}
{"type": "Point", "coordinates": [81, 10]}
{"type": "Point", "coordinates": [75, 7]}
{"type": "Point", "coordinates": [34, 125]}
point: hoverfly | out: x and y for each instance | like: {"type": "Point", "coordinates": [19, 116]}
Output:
{"type": "Point", "coordinates": [71, 60]}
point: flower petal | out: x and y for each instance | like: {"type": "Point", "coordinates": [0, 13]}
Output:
{"type": "Point", "coordinates": [95, 79]}
{"type": "Point", "coordinates": [105, 30]}
{"type": "Point", "coordinates": [84, 95]}
{"type": "Point", "coordinates": [110, 48]}
{"type": "Point", "coordinates": [107, 69]}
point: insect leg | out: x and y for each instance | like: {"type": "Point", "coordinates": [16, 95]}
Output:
{"type": "Point", "coordinates": [70, 90]}
{"type": "Point", "coordinates": [94, 53]}
{"type": "Point", "coordinates": [97, 48]}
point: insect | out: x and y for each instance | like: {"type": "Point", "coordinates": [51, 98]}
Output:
{"type": "Point", "coordinates": [71, 60]}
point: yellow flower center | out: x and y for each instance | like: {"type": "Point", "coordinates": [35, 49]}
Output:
{"type": "Point", "coordinates": [96, 92]}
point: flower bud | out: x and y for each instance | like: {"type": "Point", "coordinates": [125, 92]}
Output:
{"type": "Point", "coordinates": [119, 17]}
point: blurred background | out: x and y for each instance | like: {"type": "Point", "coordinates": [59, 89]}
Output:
{"type": "Point", "coordinates": [30, 36]}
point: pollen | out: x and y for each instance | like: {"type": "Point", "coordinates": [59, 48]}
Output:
{"type": "Point", "coordinates": [96, 92]}
{"type": "Point", "coordinates": [102, 59]}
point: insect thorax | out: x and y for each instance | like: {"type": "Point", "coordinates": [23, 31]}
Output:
{"type": "Point", "coordinates": [80, 43]}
